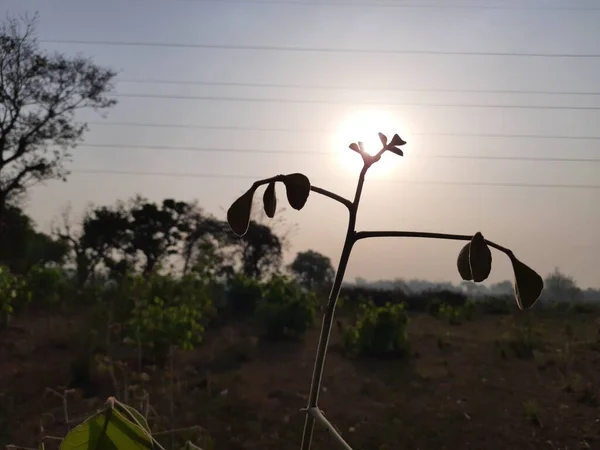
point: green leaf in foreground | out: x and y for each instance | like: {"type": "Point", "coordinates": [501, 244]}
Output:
{"type": "Point", "coordinates": [139, 418]}
{"type": "Point", "coordinates": [107, 430]}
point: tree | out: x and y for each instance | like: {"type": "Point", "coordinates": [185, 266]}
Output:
{"type": "Point", "coordinates": [39, 96]}
{"type": "Point", "coordinates": [22, 247]}
{"type": "Point", "coordinates": [561, 288]}
{"type": "Point", "coordinates": [259, 250]}
{"type": "Point", "coordinates": [312, 269]}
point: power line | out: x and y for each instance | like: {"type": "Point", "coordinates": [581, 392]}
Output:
{"type": "Point", "coordinates": [353, 88]}
{"type": "Point", "coordinates": [323, 131]}
{"type": "Point", "coordinates": [328, 153]}
{"type": "Point", "coordinates": [422, 182]}
{"type": "Point", "coordinates": [349, 102]}
{"type": "Point", "coordinates": [398, 5]}
{"type": "Point", "coordinates": [315, 49]}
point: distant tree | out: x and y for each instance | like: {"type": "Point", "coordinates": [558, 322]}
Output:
{"type": "Point", "coordinates": [157, 231]}
{"type": "Point", "coordinates": [39, 96]}
{"type": "Point", "coordinates": [561, 287]}
{"type": "Point", "coordinates": [312, 269]}
{"type": "Point", "coordinates": [102, 234]}
{"type": "Point", "coordinates": [22, 247]}
{"type": "Point", "coordinates": [259, 250]}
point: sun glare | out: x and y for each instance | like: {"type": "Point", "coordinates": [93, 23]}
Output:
{"type": "Point", "coordinates": [364, 126]}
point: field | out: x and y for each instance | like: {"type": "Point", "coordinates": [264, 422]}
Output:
{"type": "Point", "coordinates": [518, 380]}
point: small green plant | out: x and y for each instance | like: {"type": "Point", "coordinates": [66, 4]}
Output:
{"type": "Point", "coordinates": [380, 332]}
{"type": "Point", "coordinates": [285, 310]}
{"type": "Point", "coordinates": [474, 260]}
{"type": "Point", "coordinates": [532, 412]}
{"type": "Point", "coordinates": [523, 339]}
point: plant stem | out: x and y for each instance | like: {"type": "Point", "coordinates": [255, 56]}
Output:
{"type": "Point", "coordinates": [317, 377]}
{"type": "Point", "coordinates": [423, 234]}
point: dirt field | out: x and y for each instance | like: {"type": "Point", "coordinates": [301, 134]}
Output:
{"type": "Point", "coordinates": [469, 386]}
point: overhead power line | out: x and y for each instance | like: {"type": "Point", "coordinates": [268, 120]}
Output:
{"type": "Point", "coordinates": [355, 88]}
{"type": "Point", "coordinates": [316, 130]}
{"type": "Point", "coordinates": [329, 153]}
{"type": "Point", "coordinates": [250, 177]}
{"type": "Point", "coordinates": [375, 4]}
{"type": "Point", "coordinates": [350, 102]}
{"type": "Point", "coordinates": [316, 49]}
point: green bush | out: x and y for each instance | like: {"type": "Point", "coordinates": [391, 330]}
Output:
{"type": "Point", "coordinates": [13, 295]}
{"type": "Point", "coordinates": [455, 315]}
{"type": "Point", "coordinates": [243, 295]}
{"type": "Point", "coordinates": [380, 331]}
{"type": "Point", "coordinates": [285, 310]}
{"type": "Point", "coordinates": [49, 286]}
{"type": "Point", "coordinates": [166, 311]}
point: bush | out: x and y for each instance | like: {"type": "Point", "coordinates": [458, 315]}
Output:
{"type": "Point", "coordinates": [455, 315]}
{"type": "Point", "coordinates": [497, 305]}
{"type": "Point", "coordinates": [285, 310]}
{"type": "Point", "coordinates": [49, 286]}
{"type": "Point", "coordinates": [166, 311]}
{"type": "Point", "coordinates": [380, 332]}
{"type": "Point", "coordinates": [13, 295]}
{"type": "Point", "coordinates": [243, 295]}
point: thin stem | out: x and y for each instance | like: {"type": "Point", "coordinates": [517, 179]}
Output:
{"type": "Point", "coordinates": [318, 415]}
{"type": "Point", "coordinates": [426, 235]}
{"type": "Point", "coordinates": [317, 377]}
{"type": "Point", "coordinates": [344, 201]}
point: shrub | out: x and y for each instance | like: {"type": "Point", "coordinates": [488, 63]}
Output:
{"type": "Point", "coordinates": [13, 295]}
{"type": "Point", "coordinates": [497, 305]}
{"type": "Point", "coordinates": [285, 310]}
{"type": "Point", "coordinates": [243, 295]}
{"type": "Point", "coordinates": [49, 286]}
{"type": "Point", "coordinates": [167, 311]}
{"type": "Point", "coordinates": [455, 315]}
{"type": "Point", "coordinates": [380, 332]}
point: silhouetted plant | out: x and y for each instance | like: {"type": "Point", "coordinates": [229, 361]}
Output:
{"type": "Point", "coordinates": [474, 260]}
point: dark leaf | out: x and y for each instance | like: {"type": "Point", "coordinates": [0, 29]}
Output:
{"type": "Point", "coordinates": [354, 147]}
{"type": "Point", "coordinates": [395, 150]}
{"type": "Point", "coordinates": [270, 200]}
{"type": "Point", "coordinates": [480, 258]}
{"type": "Point", "coordinates": [397, 140]}
{"type": "Point", "coordinates": [383, 139]}
{"type": "Point", "coordinates": [528, 284]}
{"type": "Point", "coordinates": [297, 188]}
{"type": "Point", "coordinates": [238, 214]}
{"type": "Point", "coordinates": [464, 267]}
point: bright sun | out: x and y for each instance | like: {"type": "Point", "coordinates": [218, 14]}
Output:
{"type": "Point", "coordinates": [364, 126]}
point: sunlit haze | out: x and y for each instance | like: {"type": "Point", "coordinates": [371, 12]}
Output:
{"type": "Point", "coordinates": [472, 84]}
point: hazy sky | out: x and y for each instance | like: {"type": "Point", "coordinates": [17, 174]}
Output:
{"type": "Point", "coordinates": [545, 226]}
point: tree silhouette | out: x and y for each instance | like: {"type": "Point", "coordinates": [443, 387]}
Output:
{"type": "Point", "coordinates": [39, 96]}
{"type": "Point", "coordinates": [312, 269]}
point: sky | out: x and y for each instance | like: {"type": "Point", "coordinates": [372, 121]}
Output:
{"type": "Point", "coordinates": [321, 101]}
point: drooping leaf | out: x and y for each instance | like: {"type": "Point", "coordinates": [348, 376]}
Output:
{"type": "Point", "coordinates": [528, 284]}
{"type": "Point", "coordinates": [270, 200]}
{"type": "Point", "coordinates": [354, 147]}
{"type": "Point", "coordinates": [480, 258]}
{"type": "Point", "coordinates": [395, 150]}
{"type": "Point", "coordinates": [238, 214]}
{"type": "Point", "coordinates": [139, 418]}
{"type": "Point", "coordinates": [297, 188]}
{"type": "Point", "coordinates": [464, 267]}
{"type": "Point", "coordinates": [397, 140]}
{"type": "Point", "coordinates": [383, 139]}
{"type": "Point", "coordinates": [107, 430]}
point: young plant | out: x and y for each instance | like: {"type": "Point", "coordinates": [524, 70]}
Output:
{"type": "Point", "coordinates": [474, 260]}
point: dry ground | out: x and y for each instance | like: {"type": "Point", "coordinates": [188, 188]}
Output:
{"type": "Point", "coordinates": [463, 388]}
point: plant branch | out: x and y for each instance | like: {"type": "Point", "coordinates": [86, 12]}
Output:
{"type": "Point", "coordinates": [318, 415]}
{"type": "Point", "coordinates": [328, 317]}
{"type": "Point", "coordinates": [421, 234]}
{"type": "Point", "coordinates": [338, 198]}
